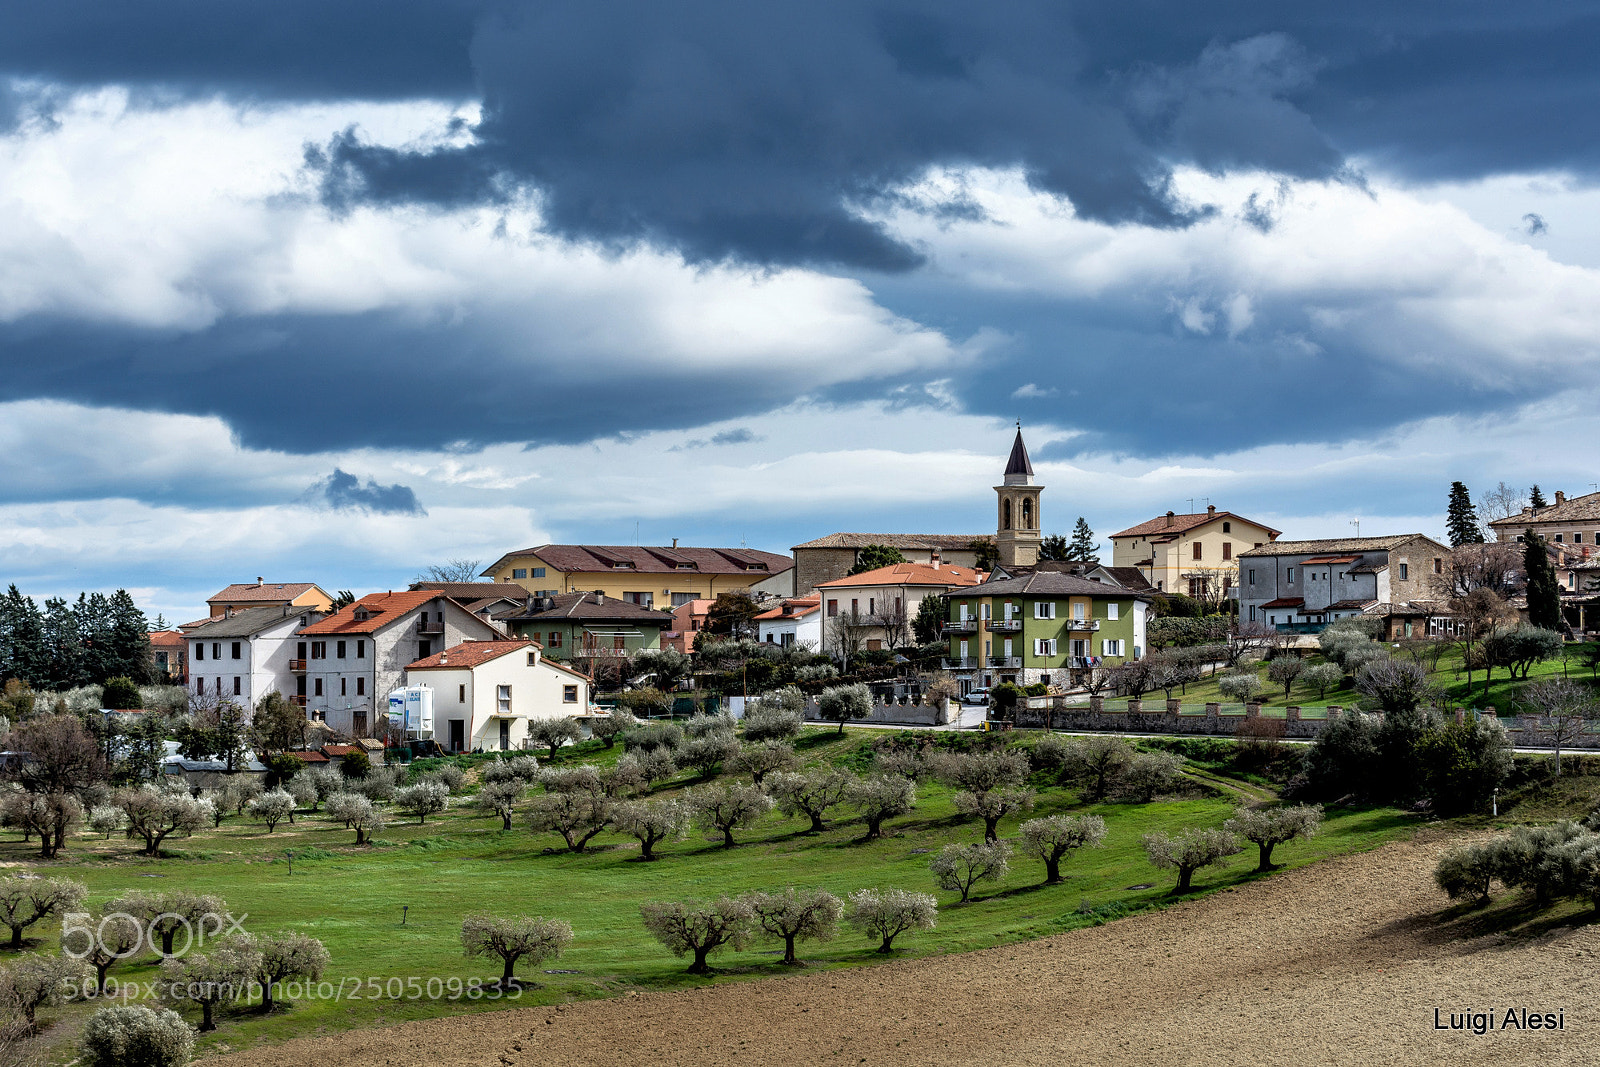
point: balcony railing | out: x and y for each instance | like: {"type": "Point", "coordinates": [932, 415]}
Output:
{"type": "Point", "coordinates": [430, 626]}
{"type": "Point", "coordinates": [298, 699]}
{"type": "Point", "coordinates": [297, 665]}
{"type": "Point", "coordinates": [1083, 624]}
{"type": "Point", "coordinates": [1301, 627]}
{"type": "Point", "coordinates": [961, 626]}
{"type": "Point", "coordinates": [1005, 626]}
{"type": "Point", "coordinates": [960, 663]}
{"type": "Point", "coordinates": [1005, 661]}
{"type": "Point", "coordinates": [588, 652]}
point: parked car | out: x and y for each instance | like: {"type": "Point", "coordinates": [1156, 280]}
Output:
{"type": "Point", "coordinates": [976, 697]}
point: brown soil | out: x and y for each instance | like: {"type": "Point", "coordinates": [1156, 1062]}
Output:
{"type": "Point", "coordinates": [1342, 962]}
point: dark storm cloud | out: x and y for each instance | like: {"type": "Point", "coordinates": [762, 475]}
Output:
{"type": "Point", "coordinates": [342, 491]}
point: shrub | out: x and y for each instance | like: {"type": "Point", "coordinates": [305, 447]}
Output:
{"type": "Point", "coordinates": [1053, 837]}
{"type": "Point", "coordinates": [1464, 763]}
{"type": "Point", "coordinates": [777, 716]}
{"type": "Point", "coordinates": [1188, 852]}
{"type": "Point", "coordinates": [356, 765]}
{"type": "Point", "coordinates": [136, 1037]}
{"type": "Point", "coordinates": [1394, 686]}
{"type": "Point", "coordinates": [514, 938]}
{"type": "Point", "coordinates": [1270, 827]}
{"type": "Point", "coordinates": [796, 915]}
{"type": "Point", "coordinates": [699, 927]}
{"type": "Point", "coordinates": [1344, 759]}
{"type": "Point", "coordinates": [960, 867]}
{"type": "Point", "coordinates": [122, 694]}
{"type": "Point", "coordinates": [451, 777]}
{"type": "Point", "coordinates": [887, 913]}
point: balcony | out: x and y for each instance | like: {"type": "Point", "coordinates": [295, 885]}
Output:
{"type": "Point", "coordinates": [297, 665]}
{"type": "Point", "coordinates": [1005, 626]}
{"type": "Point", "coordinates": [430, 626]}
{"type": "Point", "coordinates": [1083, 624]}
{"type": "Point", "coordinates": [961, 626]}
{"type": "Point", "coordinates": [1005, 661]}
{"type": "Point", "coordinates": [589, 652]}
{"type": "Point", "coordinates": [959, 663]}
{"type": "Point", "coordinates": [298, 698]}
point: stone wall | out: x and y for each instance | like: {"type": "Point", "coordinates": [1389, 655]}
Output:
{"type": "Point", "coordinates": [898, 714]}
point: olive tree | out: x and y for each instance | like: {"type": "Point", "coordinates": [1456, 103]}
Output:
{"type": "Point", "coordinates": [797, 915]}
{"type": "Point", "coordinates": [36, 981]}
{"type": "Point", "coordinates": [1466, 871]}
{"type": "Point", "coordinates": [514, 938]}
{"type": "Point", "coordinates": [101, 940]}
{"type": "Point", "coordinates": [764, 758]}
{"type": "Point", "coordinates": [272, 808]}
{"type": "Point", "coordinates": [553, 733]}
{"type": "Point", "coordinates": [699, 927]}
{"type": "Point", "coordinates": [729, 807]}
{"type": "Point", "coordinates": [423, 799]}
{"type": "Point", "coordinates": [131, 1036]}
{"type": "Point", "coordinates": [1189, 851]}
{"type": "Point", "coordinates": [654, 821]}
{"type": "Point", "coordinates": [50, 815]}
{"type": "Point", "coordinates": [888, 913]}
{"type": "Point", "coordinates": [1148, 773]}
{"type": "Point", "coordinates": [1396, 687]}
{"type": "Point", "coordinates": [501, 798]}
{"type": "Point", "coordinates": [988, 784]}
{"type": "Point", "coordinates": [1270, 827]}
{"type": "Point", "coordinates": [221, 976]}
{"type": "Point", "coordinates": [577, 816]}
{"type": "Point", "coordinates": [153, 814]}
{"type": "Point", "coordinates": [1052, 838]}
{"type": "Point", "coordinates": [881, 797]}
{"type": "Point", "coordinates": [776, 716]}
{"type": "Point", "coordinates": [1094, 763]}
{"type": "Point", "coordinates": [960, 867]}
{"type": "Point", "coordinates": [1242, 686]}
{"type": "Point", "coordinates": [282, 957]}
{"type": "Point", "coordinates": [342, 807]}
{"type": "Point", "coordinates": [1323, 677]}
{"type": "Point", "coordinates": [1284, 670]}
{"type": "Point", "coordinates": [841, 703]}
{"type": "Point", "coordinates": [708, 752]}
{"type": "Point", "coordinates": [165, 914]}
{"type": "Point", "coordinates": [518, 768]}
{"type": "Point", "coordinates": [613, 725]}
{"type": "Point", "coordinates": [107, 819]}
{"type": "Point", "coordinates": [24, 901]}
{"type": "Point", "coordinates": [367, 819]}
{"type": "Point", "coordinates": [812, 793]}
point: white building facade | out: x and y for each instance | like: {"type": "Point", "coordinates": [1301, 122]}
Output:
{"type": "Point", "coordinates": [485, 693]}
{"type": "Point", "coordinates": [245, 654]}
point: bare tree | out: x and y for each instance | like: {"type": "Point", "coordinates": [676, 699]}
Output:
{"type": "Point", "coordinates": [1567, 705]}
{"type": "Point", "coordinates": [888, 913]}
{"type": "Point", "coordinates": [1493, 565]}
{"type": "Point", "coordinates": [1501, 502]}
{"type": "Point", "coordinates": [1247, 639]}
{"type": "Point", "coordinates": [797, 915]}
{"type": "Point", "coordinates": [1189, 851]}
{"type": "Point", "coordinates": [1054, 836]}
{"type": "Point", "coordinates": [699, 927]}
{"type": "Point", "coordinates": [1270, 827]}
{"type": "Point", "coordinates": [960, 867]}
{"type": "Point", "coordinates": [847, 634]}
{"type": "Point", "coordinates": [453, 570]}
{"type": "Point", "coordinates": [512, 939]}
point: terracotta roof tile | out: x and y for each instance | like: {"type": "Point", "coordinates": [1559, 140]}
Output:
{"type": "Point", "coordinates": [1184, 523]}
{"type": "Point", "coordinates": [167, 639]}
{"type": "Point", "coordinates": [633, 559]}
{"type": "Point", "coordinates": [1343, 545]}
{"type": "Point", "coordinates": [274, 591]}
{"type": "Point", "coordinates": [468, 654]}
{"type": "Point", "coordinates": [384, 609]}
{"type": "Point", "coordinates": [862, 540]}
{"type": "Point", "coordinates": [909, 574]}
{"type": "Point", "coordinates": [1584, 508]}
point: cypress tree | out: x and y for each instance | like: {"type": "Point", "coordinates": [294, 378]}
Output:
{"type": "Point", "coordinates": [63, 652]}
{"type": "Point", "coordinates": [1544, 594]}
{"type": "Point", "coordinates": [1462, 519]}
{"type": "Point", "coordinates": [129, 653]}
{"type": "Point", "coordinates": [1084, 546]}
{"type": "Point", "coordinates": [96, 661]}
{"type": "Point", "coordinates": [22, 630]}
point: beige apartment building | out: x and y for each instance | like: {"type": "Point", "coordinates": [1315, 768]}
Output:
{"type": "Point", "coordinates": [1195, 554]}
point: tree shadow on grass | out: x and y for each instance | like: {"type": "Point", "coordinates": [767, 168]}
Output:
{"type": "Point", "coordinates": [1475, 927]}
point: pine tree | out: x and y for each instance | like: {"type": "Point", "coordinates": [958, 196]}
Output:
{"type": "Point", "coordinates": [1462, 519]}
{"type": "Point", "coordinates": [1083, 547]}
{"type": "Point", "coordinates": [130, 640]}
{"type": "Point", "coordinates": [22, 630]}
{"type": "Point", "coordinates": [1054, 548]}
{"type": "Point", "coordinates": [1544, 592]}
{"type": "Point", "coordinates": [63, 652]}
{"type": "Point", "coordinates": [95, 655]}
{"type": "Point", "coordinates": [1536, 499]}
{"type": "Point", "coordinates": [871, 557]}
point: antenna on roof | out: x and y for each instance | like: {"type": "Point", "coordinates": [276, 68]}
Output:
{"type": "Point", "coordinates": [1357, 524]}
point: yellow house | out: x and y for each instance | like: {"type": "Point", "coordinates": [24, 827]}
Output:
{"type": "Point", "coordinates": [262, 593]}
{"type": "Point", "coordinates": [1195, 554]}
{"type": "Point", "coordinates": [661, 578]}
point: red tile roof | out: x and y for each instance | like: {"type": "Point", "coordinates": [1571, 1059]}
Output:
{"type": "Point", "coordinates": [794, 608]}
{"type": "Point", "coordinates": [340, 751]}
{"type": "Point", "coordinates": [1330, 559]}
{"type": "Point", "coordinates": [273, 591]}
{"type": "Point", "coordinates": [909, 574]}
{"type": "Point", "coordinates": [1286, 602]}
{"type": "Point", "coordinates": [1177, 524]}
{"type": "Point", "coordinates": [944, 542]}
{"type": "Point", "coordinates": [382, 608]}
{"type": "Point", "coordinates": [632, 559]}
{"type": "Point", "coordinates": [468, 654]}
{"type": "Point", "coordinates": [166, 639]}
{"type": "Point", "coordinates": [309, 757]}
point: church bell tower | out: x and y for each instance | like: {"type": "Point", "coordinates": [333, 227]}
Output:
{"type": "Point", "coordinates": [1017, 536]}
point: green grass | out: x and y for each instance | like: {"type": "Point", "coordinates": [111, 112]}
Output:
{"type": "Point", "coordinates": [352, 898]}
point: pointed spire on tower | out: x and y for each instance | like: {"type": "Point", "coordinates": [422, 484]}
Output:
{"type": "Point", "coordinates": [1019, 462]}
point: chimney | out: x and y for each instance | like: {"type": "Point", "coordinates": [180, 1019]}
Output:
{"type": "Point", "coordinates": [674, 542]}
{"type": "Point", "coordinates": [1170, 516]}
{"type": "Point", "coordinates": [227, 612]}
{"type": "Point", "coordinates": [260, 581]}
{"type": "Point", "coordinates": [444, 657]}
{"type": "Point", "coordinates": [1211, 509]}
{"type": "Point", "coordinates": [599, 597]}
{"type": "Point", "coordinates": [1561, 498]}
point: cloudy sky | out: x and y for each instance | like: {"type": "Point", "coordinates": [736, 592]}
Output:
{"type": "Point", "coordinates": [333, 289]}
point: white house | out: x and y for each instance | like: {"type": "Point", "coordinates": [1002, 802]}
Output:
{"type": "Point", "coordinates": [244, 654]}
{"type": "Point", "coordinates": [796, 621]}
{"type": "Point", "coordinates": [353, 658]}
{"type": "Point", "coordinates": [486, 692]}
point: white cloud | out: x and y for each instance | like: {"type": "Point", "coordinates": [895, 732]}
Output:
{"type": "Point", "coordinates": [1031, 391]}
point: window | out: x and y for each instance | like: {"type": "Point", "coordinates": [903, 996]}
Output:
{"type": "Point", "coordinates": [538, 572]}
{"type": "Point", "coordinates": [872, 605]}
{"type": "Point", "coordinates": [316, 689]}
{"type": "Point", "coordinates": [319, 650]}
{"type": "Point", "coordinates": [216, 650]}
{"type": "Point", "coordinates": [339, 648]}
{"type": "Point", "coordinates": [1438, 564]}
{"type": "Point", "coordinates": [1252, 575]}
{"type": "Point", "coordinates": [200, 686]}
{"type": "Point", "coordinates": [1079, 610]}
{"type": "Point", "coordinates": [424, 649]}
{"type": "Point", "coordinates": [343, 688]}
{"type": "Point", "coordinates": [1558, 539]}
{"type": "Point", "coordinates": [502, 699]}
{"type": "Point", "coordinates": [1113, 611]}
{"type": "Point", "coordinates": [200, 650]}
{"type": "Point", "coordinates": [1289, 575]}
{"type": "Point", "coordinates": [855, 606]}
{"type": "Point", "coordinates": [236, 690]}
{"type": "Point", "coordinates": [1405, 571]}
{"type": "Point", "coordinates": [983, 610]}
{"type": "Point", "coordinates": [898, 607]}
{"type": "Point", "coordinates": [569, 694]}
{"type": "Point", "coordinates": [361, 650]}
{"type": "Point", "coordinates": [519, 572]}
{"type": "Point", "coordinates": [1227, 550]}
{"type": "Point", "coordinates": [874, 644]}
{"type": "Point", "coordinates": [680, 599]}
{"type": "Point", "coordinates": [1197, 550]}
{"type": "Point", "coordinates": [643, 600]}
{"type": "Point", "coordinates": [1111, 646]}
{"type": "Point", "coordinates": [555, 639]}
{"type": "Point", "coordinates": [533, 659]}
{"type": "Point", "coordinates": [1252, 613]}
{"type": "Point", "coordinates": [1227, 527]}
{"type": "Point", "coordinates": [1044, 610]}
{"type": "Point", "coordinates": [1044, 647]}
{"type": "Point", "coordinates": [833, 609]}
{"type": "Point", "coordinates": [361, 687]}
{"type": "Point", "coordinates": [1577, 538]}
{"type": "Point", "coordinates": [236, 650]}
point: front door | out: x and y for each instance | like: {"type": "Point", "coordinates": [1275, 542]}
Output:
{"type": "Point", "coordinates": [358, 725]}
{"type": "Point", "coordinates": [505, 735]}
{"type": "Point", "coordinates": [458, 734]}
